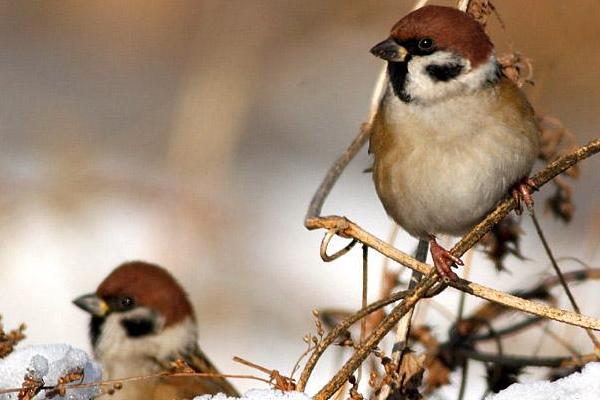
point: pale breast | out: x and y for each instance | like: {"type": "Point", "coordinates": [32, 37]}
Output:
{"type": "Point", "coordinates": [440, 168]}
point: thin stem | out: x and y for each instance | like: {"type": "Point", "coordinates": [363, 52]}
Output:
{"type": "Point", "coordinates": [463, 296]}
{"type": "Point", "coordinates": [375, 337]}
{"type": "Point", "coordinates": [341, 328]}
{"type": "Point", "coordinates": [526, 323]}
{"type": "Point", "coordinates": [347, 228]}
{"type": "Point", "coordinates": [141, 378]}
{"type": "Point", "coordinates": [365, 282]}
{"type": "Point", "coordinates": [316, 204]}
{"type": "Point", "coordinates": [463, 380]}
{"type": "Point", "coordinates": [560, 275]}
{"type": "Point", "coordinates": [403, 329]}
{"type": "Point", "coordinates": [525, 361]}
{"type": "Point", "coordinates": [560, 340]}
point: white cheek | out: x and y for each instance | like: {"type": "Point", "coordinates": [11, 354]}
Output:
{"type": "Point", "coordinates": [423, 89]}
{"type": "Point", "coordinates": [115, 349]}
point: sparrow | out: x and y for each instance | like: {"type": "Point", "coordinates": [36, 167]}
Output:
{"type": "Point", "coordinates": [141, 321]}
{"type": "Point", "coordinates": [452, 136]}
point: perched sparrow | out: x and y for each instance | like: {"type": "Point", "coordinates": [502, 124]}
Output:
{"type": "Point", "coordinates": [141, 321]}
{"type": "Point", "coordinates": [452, 135]}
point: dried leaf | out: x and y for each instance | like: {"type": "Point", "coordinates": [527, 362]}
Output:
{"type": "Point", "coordinates": [480, 10]}
{"type": "Point", "coordinates": [9, 340]}
{"type": "Point", "coordinates": [499, 377]}
{"type": "Point", "coordinates": [438, 372]}
{"type": "Point", "coordinates": [560, 204]}
{"type": "Point", "coordinates": [557, 140]}
{"type": "Point", "coordinates": [61, 388]}
{"type": "Point", "coordinates": [180, 366]}
{"type": "Point", "coordinates": [438, 375]}
{"type": "Point", "coordinates": [405, 384]}
{"type": "Point", "coordinates": [354, 393]}
{"type": "Point", "coordinates": [516, 67]}
{"type": "Point", "coordinates": [30, 387]}
{"type": "Point", "coordinates": [503, 240]}
{"type": "Point", "coordinates": [281, 382]}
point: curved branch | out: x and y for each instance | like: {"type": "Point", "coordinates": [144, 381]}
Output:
{"type": "Point", "coordinates": [377, 335]}
{"type": "Point", "coordinates": [341, 328]}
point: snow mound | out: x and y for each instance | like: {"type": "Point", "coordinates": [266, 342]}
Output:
{"type": "Point", "coordinates": [257, 394]}
{"type": "Point", "coordinates": [48, 362]}
{"type": "Point", "coordinates": [584, 385]}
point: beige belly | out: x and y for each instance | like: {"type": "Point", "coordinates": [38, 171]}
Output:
{"type": "Point", "coordinates": [447, 187]}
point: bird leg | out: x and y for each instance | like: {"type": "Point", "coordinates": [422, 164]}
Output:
{"type": "Point", "coordinates": [443, 260]}
{"type": "Point", "coordinates": [521, 192]}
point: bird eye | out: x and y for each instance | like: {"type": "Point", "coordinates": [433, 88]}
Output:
{"type": "Point", "coordinates": [127, 302]}
{"type": "Point", "coordinates": [425, 44]}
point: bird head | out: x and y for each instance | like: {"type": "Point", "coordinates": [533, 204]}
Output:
{"type": "Point", "coordinates": [138, 302]}
{"type": "Point", "coordinates": [435, 53]}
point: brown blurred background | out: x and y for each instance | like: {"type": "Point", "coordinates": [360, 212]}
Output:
{"type": "Point", "coordinates": [193, 134]}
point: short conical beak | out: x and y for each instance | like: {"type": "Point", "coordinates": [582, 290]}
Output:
{"type": "Point", "coordinates": [92, 304]}
{"type": "Point", "coordinates": [389, 50]}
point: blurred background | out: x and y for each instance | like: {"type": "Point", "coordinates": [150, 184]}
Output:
{"type": "Point", "coordinates": [194, 133]}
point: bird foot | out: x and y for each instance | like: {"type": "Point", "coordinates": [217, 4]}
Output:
{"type": "Point", "coordinates": [521, 192]}
{"type": "Point", "coordinates": [443, 260]}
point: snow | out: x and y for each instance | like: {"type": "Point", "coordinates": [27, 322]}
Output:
{"type": "Point", "coordinates": [48, 362]}
{"type": "Point", "coordinates": [259, 394]}
{"type": "Point", "coordinates": [584, 385]}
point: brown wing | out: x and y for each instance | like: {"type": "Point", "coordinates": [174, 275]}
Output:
{"type": "Point", "coordinates": [186, 387]}
{"type": "Point", "coordinates": [199, 362]}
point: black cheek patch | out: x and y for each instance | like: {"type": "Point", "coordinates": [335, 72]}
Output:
{"type": "Point", "coordinates": [444, 72]}
{"type": "Point", "coordinates": [137, 327]}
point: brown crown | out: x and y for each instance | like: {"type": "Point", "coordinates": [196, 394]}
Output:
{"type": "Point", "coordinates": [151, 286]}
{"type": "Point", "coordinates": [449, 28]}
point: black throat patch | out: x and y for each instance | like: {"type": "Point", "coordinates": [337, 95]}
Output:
{"type": "Point", "coordinates": [95, 329]}
{"type": "Point", "coordinates": [397, 72]}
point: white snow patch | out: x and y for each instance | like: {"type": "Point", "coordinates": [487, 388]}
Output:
{"type": "Point", "coordinates": [259, 394]}
{"type": "Point", "coordinates": [584, 385]}
{"type": "Point", "coordinates": [48, 362]}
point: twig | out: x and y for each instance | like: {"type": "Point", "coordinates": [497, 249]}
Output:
{"type": "Point", "coordinates": [463, 379]}
{"type": "Point", "coordinates": [461, 301]}
{"type": "Point", "coordinates": [375, 337]}
{"type": "Point", "coordinates": [277, 380]}
{"type": "Point", "coordinates": [403, 329]}
{"type": "Point", "coordinates": [316, 204]}
{"type": "Point", "coordinates": [143, 377]}
{"type": "Point", "coordinates": [560, 275]}
{"type": "Point", "coordinates": [560, 340]}
{"type": "Point", "coordinates": [365, 281]}
{"type": "Point", "coordinates": [526, 323]}
{"type": "Point", "coordinates": [347, 228]}
{"type": "Point", "coordinates": [252, 365]}
{"type": "Point", "coordinates": [520, 361]}
{"type": "Point", "coordinates": [341, 328]}
{"type": "Point", "coordinates": [389, 279]}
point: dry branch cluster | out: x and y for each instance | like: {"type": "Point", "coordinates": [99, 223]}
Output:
{"type": "Point", "coordinates": [415, 373]}
{"type": "Point", "coordinates": [9, 340]}
{"type": "Point", "coordinates": [424, 367]}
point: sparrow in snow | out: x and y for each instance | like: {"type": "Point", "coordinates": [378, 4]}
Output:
{"type": "Point", "coordinates": [452, 136]}
{"type": "Point", "coordinates": [141, 321]}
